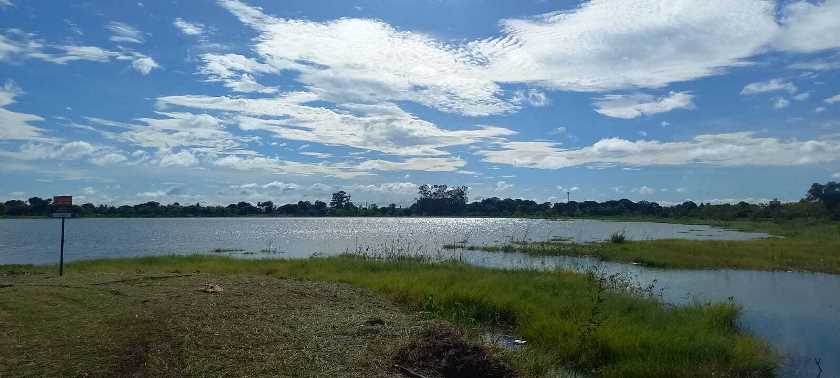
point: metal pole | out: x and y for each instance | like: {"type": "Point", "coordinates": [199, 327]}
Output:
{"type": "Point", "coordinates": [61, 259]}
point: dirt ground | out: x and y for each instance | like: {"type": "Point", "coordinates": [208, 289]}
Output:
{"type": "Point", "coordinates": [169, 325]}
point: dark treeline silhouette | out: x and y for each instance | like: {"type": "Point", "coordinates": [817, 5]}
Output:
{"type": "Point", "coordinates": [821, 201]}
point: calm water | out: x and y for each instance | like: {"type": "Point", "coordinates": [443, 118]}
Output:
{"type": "Point", "coordinates": [799, 313]}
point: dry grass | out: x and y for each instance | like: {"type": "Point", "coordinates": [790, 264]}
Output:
{"type": "Point", "coordinates": [135, 326]}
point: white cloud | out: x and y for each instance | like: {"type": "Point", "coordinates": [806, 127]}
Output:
{"type": "Point", "coordinates": [199, 132]}
{"type": "Point", "coordinates": [388, 187]}
{"type": "Point", "coordinates": [780, 103]}
{"type": "Point", "coordinates": [6, 3]}
{"type": "Point", "coordinates": [819, 109]}
{"type": "Point", "coordinates": [802, 96]}
{"type": "Point", "coordinates": [502, 186]}
{"type": "Point", "coordinates": [49, 151]}
{"type": "Point", "coordinates": [19, 46]}
{"type": "Point", "coordinates": [833, 99]}
{"type": "Point", "coordinates": [237, 72]}
{"type": "Point", "coordinates": [380, 127]}
{"type": "Point", "coordinates": [637, 105]}
{"type": "Point", "coordinates": [773, 85]}
{"type": "Point", "coordinates": [610, 45]}
{"type": "Point", "coordinates": [144, 65]}
{"type": "Point", "coordinates": [531, 97]}
{"type": "Point", "coordinates": [108, 159]}
{"type": "Point", "coordinates": [568, 189]}
{"type": "Point", "coordinates": [368, 61]}
{"type": "Point", "coordinates": [179, 159]}
{"type": "Point", "coordinates": [835, 175]}
{"type": "Point", "coordinates": [278, 186]}
{"type": "Point", "coordinates": [15, 125]}
{"type": "Point", "coordinates": [250, 163]}
{"type": "Point", "coordinates": [816, 65]}
{"type": "Point", "coordinates": [809, 26]}
{"type": "Point", "coordinates": [733, 149]}
{"type": "Point", "coordinates": [320, 155]}
{"type": "Point", "coordinates": [189, 28]}
{"type": "Point", "coordinates": [122, 32]}
{"type": "Point", "coordinates": [645, 190]}
{"type": "Point", "coordinates": [415, 164]}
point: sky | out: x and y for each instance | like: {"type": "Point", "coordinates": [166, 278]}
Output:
{"type": "Point", "coordinates": [122, 102]}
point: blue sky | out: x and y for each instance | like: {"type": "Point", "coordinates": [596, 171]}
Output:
{"type": "Point", "coordinates": [218, 101]}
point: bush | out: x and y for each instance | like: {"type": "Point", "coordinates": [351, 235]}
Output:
{"type": "Point", "coordinates": [618, 237]}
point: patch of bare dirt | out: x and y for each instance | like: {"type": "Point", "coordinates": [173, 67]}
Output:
{"type": "Point", "coordinates": [441, 350]}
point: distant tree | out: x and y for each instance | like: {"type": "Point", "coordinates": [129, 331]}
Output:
{"type": "Point", "coordinates": [340, 200]}
{"type": "Point", "coordinates": [441, 200]}
{"type": "Point", "coordinates": [266, 207]}
{"type": "Point", "coordinates": [39, 206]}
{"type": "Point", "coordinates": [828, 194]}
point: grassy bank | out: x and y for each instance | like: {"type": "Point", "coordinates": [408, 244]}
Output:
{"type": "Point", "coordinates": [597, 325]}
{"type": "Point", "coordinates": [803, 246]}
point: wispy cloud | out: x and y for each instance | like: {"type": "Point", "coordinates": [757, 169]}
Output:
{"type": "Point", "coordinates": [17, 46]}
{"type": "Point", "coordinates": [124, 33]}
{"type": "Point", "coordinates": [13, 125]}
{"type": "Point", "coordinates": [189, 28]}
{"type": "Point", "coordinates": [724, 150]}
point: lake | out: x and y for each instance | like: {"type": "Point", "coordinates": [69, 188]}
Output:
{"type": "Point", "coordinates": [799, 313]}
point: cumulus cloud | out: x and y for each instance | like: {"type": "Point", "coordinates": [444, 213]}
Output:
{"type": "Point", "coordinates": [144, 64]}
{"type": "Point", "coordinates": [51, 151]}
{"type": "Point", "coordinates": [833, 99]}
{"type": "Point", "coordinates": [13, 125]}
{"type": "Point", "coordinates": [122, 32]}
{"type": "Point", "coordinates": [637, 105]}
{"type": "Point", "coordinates": [726, 150]}
{"type": "Point", "coordinates": [531, 97]}
{"type": "Point", "coordinates": [189, 28]}
{"type": "Point", "coordinates": [774, 85]}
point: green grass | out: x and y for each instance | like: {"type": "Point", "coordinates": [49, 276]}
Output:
{"type": "Point", "coordinates": [570, 320]}
{"type": "Point", "coordinates": [805, 246]}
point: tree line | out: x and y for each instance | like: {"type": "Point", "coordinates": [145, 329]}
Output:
{"type": "Point", "coordinates": [820, 201]}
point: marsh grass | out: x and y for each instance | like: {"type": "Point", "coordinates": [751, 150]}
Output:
{"type": "Point", "coordinates": [805, 246]}
{"type": "Point", "coordinates": [594, 324]}
{"type": "Point", "coordinates": [618, 237]}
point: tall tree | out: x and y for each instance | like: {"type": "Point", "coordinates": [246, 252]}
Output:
{"type": "Point", "coordinates": [340, 200]}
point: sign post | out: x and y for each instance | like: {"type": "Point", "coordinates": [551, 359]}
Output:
{"type": "Point", "coordinates": [63, 209]}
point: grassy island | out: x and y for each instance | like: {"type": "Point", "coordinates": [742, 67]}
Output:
{"type": "Point", "coordinates": [795, 245]}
